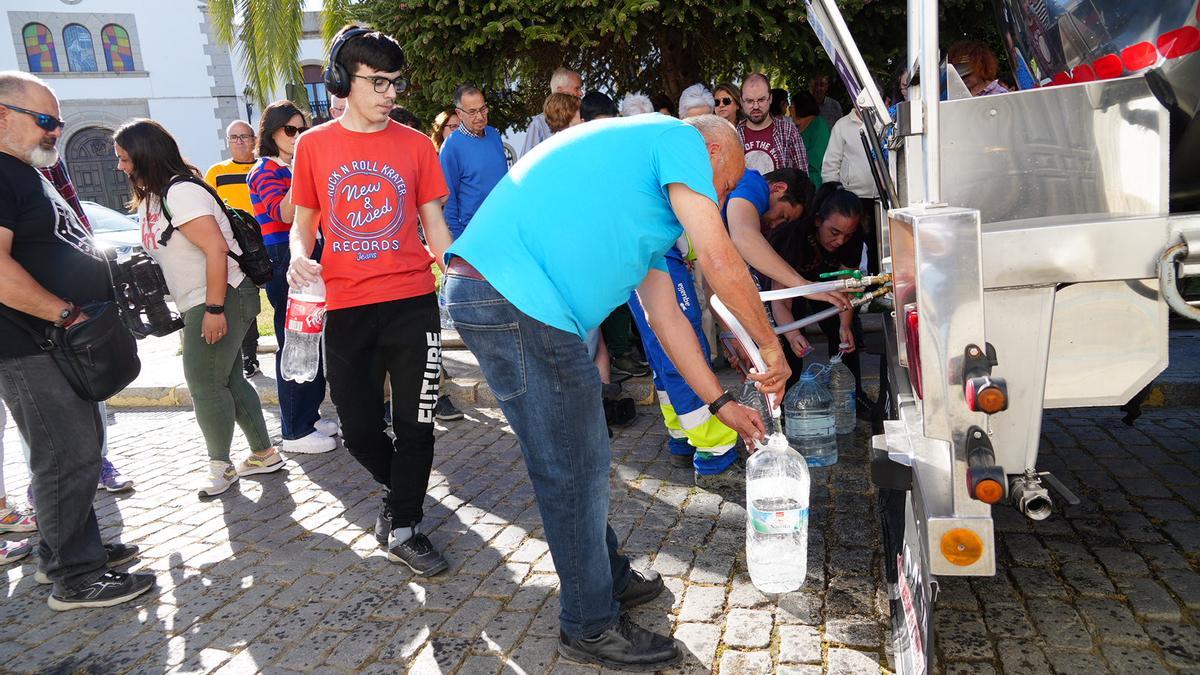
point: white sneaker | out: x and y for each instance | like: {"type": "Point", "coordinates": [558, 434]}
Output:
{"type": "Point", "coordinates": [255, 464]}
{"type": "Point", "coordinates": [329, 428]}
{"type": "Point", "coordinates": [221, 475]}
{"type": "Point", "coordinates": [312, 444]}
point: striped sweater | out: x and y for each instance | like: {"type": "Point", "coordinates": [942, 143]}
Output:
{"type": "Point", "coordinates": [269, 182]}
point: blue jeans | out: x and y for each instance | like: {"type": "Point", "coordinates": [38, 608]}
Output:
{"type": "Point", "coordinates": [549, 390]}
{"type": "Point", "coordinates": [299, 402]}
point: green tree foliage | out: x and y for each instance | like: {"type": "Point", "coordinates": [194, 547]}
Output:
{"type": "Point", "coordinates": [510, 47]}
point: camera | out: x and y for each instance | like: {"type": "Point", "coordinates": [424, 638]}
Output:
{"type": "Point", "coordinates": [141, 292]}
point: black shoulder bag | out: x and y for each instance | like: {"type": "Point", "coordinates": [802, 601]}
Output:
{"type": "Point", "coordinates": [97, 356]}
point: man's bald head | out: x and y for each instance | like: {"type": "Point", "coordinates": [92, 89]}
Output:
{"type": "Point", "coordinates": [566, 81]}
{"type": "Point", "coordinates": [724, 151]}
{"type": "Point", "coordinates": [20, 136]}
{"type": "Point", "coordinates": [240, 136]}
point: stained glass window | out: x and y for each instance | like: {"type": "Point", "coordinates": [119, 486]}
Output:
{"type": "Point", "coordinates": [81, 54]}
{"type": "Point", "coordinates": [118, 51]}
{"type": "Point", "coordinates": [39, 49]}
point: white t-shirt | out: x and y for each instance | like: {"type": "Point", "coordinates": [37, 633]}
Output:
{"type": "Point", "coordinates": [183, 263]}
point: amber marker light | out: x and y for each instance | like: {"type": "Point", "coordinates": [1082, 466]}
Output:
{"type": "Point", "coordinates": [962, 546]}
{"type": "Point", "coordinates": [989, 491]}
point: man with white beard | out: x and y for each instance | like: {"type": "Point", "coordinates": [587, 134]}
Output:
{"type": "Point", "coordinates": [49, 268]}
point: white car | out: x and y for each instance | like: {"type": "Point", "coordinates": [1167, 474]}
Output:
{"type": "Point", "coordinates": [113, 229]}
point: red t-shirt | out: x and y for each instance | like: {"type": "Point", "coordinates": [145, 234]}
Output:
{"type": "Point", "coordinates": [762, 155]}
{"type": "Point", "coordinates": [367, 187]}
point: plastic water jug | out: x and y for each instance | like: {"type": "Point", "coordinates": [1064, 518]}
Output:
{"type": "Point", "coordinates": [777, 490]}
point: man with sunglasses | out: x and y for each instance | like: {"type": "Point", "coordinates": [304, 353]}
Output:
{"type": "Point", "coordinates": [365, 180]}
{"type": "Point", "coordinates": [228, 178]}
{"type": "Point", "coordinates": [49, 268]}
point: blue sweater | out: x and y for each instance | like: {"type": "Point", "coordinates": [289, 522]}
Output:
{"type": "Point", "coordinates": [472, 167]}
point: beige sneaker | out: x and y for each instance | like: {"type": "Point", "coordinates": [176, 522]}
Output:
{"type": "Point", "coordinates": [221, 475]}
{"type": "Point", "coordinates": [256, 463]}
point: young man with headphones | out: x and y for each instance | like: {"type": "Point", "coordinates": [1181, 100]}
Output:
{"type": "Point", "coordinates": [365, 181]}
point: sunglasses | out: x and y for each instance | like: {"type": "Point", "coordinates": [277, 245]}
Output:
{"type": "Point", "coordinates": [291, 131]}
{"type": "Point", "coordinates": [44, 121]}
{"type": "Point", "coordinates": [724, 100]}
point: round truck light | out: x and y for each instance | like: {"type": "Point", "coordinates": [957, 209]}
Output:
{"type": "Point", "coordinates": [991, 400]}
{"type": "Point", "coordinates": [961, 546]}
{"type": "Point", "coordinates": [989, 491]}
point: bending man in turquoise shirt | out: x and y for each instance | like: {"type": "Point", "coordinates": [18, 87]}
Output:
{"type": "Point", "coordinates": [581, 221]}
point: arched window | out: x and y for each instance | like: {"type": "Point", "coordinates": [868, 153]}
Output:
{"type": "Point", "coordinates": [81, 54]}
{"type": "Point", "coordinates": [118, 51]}
{"type": "Point", "coordinates": [39, 49]}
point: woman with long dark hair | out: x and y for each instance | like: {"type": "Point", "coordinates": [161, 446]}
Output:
{"type": "Point", "coordinates": [827, 238]}
{"type": "Point", "coordinates": [184, 227]}
{"type": "Point", "coordinates": [270, 182]}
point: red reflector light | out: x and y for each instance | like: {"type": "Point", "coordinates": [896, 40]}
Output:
{"type": "Point", "coordinates": [1083, 73]}
{"type": "Point", "coordinates": [1061, 78]}
{"type": "Point", "coordinates": [1139, 56]}
{"type": "Point", "coordinates": [1108, 67]}
{"type": "Point", "coordinates": [912, 343]}
{"type": "Point", "coordinates": [1179, 42]}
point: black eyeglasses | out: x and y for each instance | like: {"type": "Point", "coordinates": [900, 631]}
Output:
{"type": "Point", "coordinates": [381, 84]}
{"type": "Point", "coordinates": [480, 111]}
{"type": "Point", "coordinates": [44, 121]}
{"type": "Point", "coordinates": [724, 100]}
{"type": "Point", "coordinates": [291, 131]}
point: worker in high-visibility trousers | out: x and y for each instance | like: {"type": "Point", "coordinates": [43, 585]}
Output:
{"type": "Point", "coordinates": [697, 437]}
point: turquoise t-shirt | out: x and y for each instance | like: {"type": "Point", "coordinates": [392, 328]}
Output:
{"type": "Point", "coordinates": [576, 224]}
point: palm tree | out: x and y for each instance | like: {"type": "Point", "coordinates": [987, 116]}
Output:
{"type": "Point", "coordinates": [265, 34]}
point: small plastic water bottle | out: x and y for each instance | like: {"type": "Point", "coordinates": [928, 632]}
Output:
{"type": "Point", "coordinates": [754, 399]}
{"type": "Point", "coordinates": [777, 490]}
{"type": "Point", "coordinates": [443, 311]}
{"type": "Point", "coordinates": [841, 389]}
{"type": "Point", "coordinates": [303, 327]}
{"type": "Point", "coordinates": [808, 419]}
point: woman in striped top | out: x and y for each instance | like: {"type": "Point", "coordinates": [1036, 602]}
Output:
{"type": "Point", "coordinates": [270, 184]}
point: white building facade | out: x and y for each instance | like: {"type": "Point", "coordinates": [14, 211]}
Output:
{"type": "Point", "coordinates": [113, 60]}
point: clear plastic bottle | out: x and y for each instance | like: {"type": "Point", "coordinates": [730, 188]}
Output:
{"type": "Point", "coordinates": [808, 419]}
{"type": "Point", "coordinates": [777, 490]}
{"type": "Point", "coordinates": [841, 389]}
{"type": "Point", "coordinates": [751, 397]}
{"type": "Point", "coordinates": [303, 327]}
{"type": "Point", "coordinates": [443, 311]}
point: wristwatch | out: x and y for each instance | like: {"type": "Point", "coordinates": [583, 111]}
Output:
{"type": "Point", "coordinates": [68, 315]}
{"type": "Point", "coordinates": [716, 405]}
{"type": "Point", "coordinates": [214, 309]}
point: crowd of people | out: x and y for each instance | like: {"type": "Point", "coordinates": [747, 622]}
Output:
{"type": "Point", "coordinates": [664, 211]}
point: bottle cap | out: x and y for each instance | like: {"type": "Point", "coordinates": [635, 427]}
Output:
{"type": "Point", "coordinates": [844, 346]}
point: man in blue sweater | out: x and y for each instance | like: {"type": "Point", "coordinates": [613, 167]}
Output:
{"type": "Point", "coordinates": [472, 159]}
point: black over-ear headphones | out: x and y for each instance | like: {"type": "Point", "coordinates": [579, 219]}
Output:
{"type": "Point", "coordinates": [337, 80]}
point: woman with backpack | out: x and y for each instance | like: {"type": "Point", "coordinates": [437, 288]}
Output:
{"type": "Point", "coordinates": [270, 193]}
{"type": "Point", "coordinates": [185, 228]}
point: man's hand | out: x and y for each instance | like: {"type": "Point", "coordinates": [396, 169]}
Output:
{"type": "Point", "coordinates": [774, 381]}
{"type": "Point", "coordinates": [303, 271]}
{"type": "Point", "coordinates": [745, 421]}
{"type": "Point", "coordinates": [836, 298]}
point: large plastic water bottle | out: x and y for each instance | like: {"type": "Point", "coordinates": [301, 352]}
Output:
{"type": "Point", "coordinates": [841, 389]}
{"type": "Point", "coordinates": [808, 419]}
{"type": "Point", "coordinates": [443, 310]}
{"type": "Point", "coordinates": [777, 487]}
{"type": "Point", "coordinates": [302, 328]}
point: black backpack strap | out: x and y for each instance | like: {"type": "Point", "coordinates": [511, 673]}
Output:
{"type": "Point", "coordinates": [166, 235]}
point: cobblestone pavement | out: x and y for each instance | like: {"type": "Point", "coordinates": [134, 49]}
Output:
{"type": "Point", "coordinates": [283, 574]}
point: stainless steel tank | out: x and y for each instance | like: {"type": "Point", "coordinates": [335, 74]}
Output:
{"type": "Point", "coordinates": [1061, 42]}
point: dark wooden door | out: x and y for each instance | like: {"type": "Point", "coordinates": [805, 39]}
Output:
{"type": "Point", "coordinates": [94, 171]}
